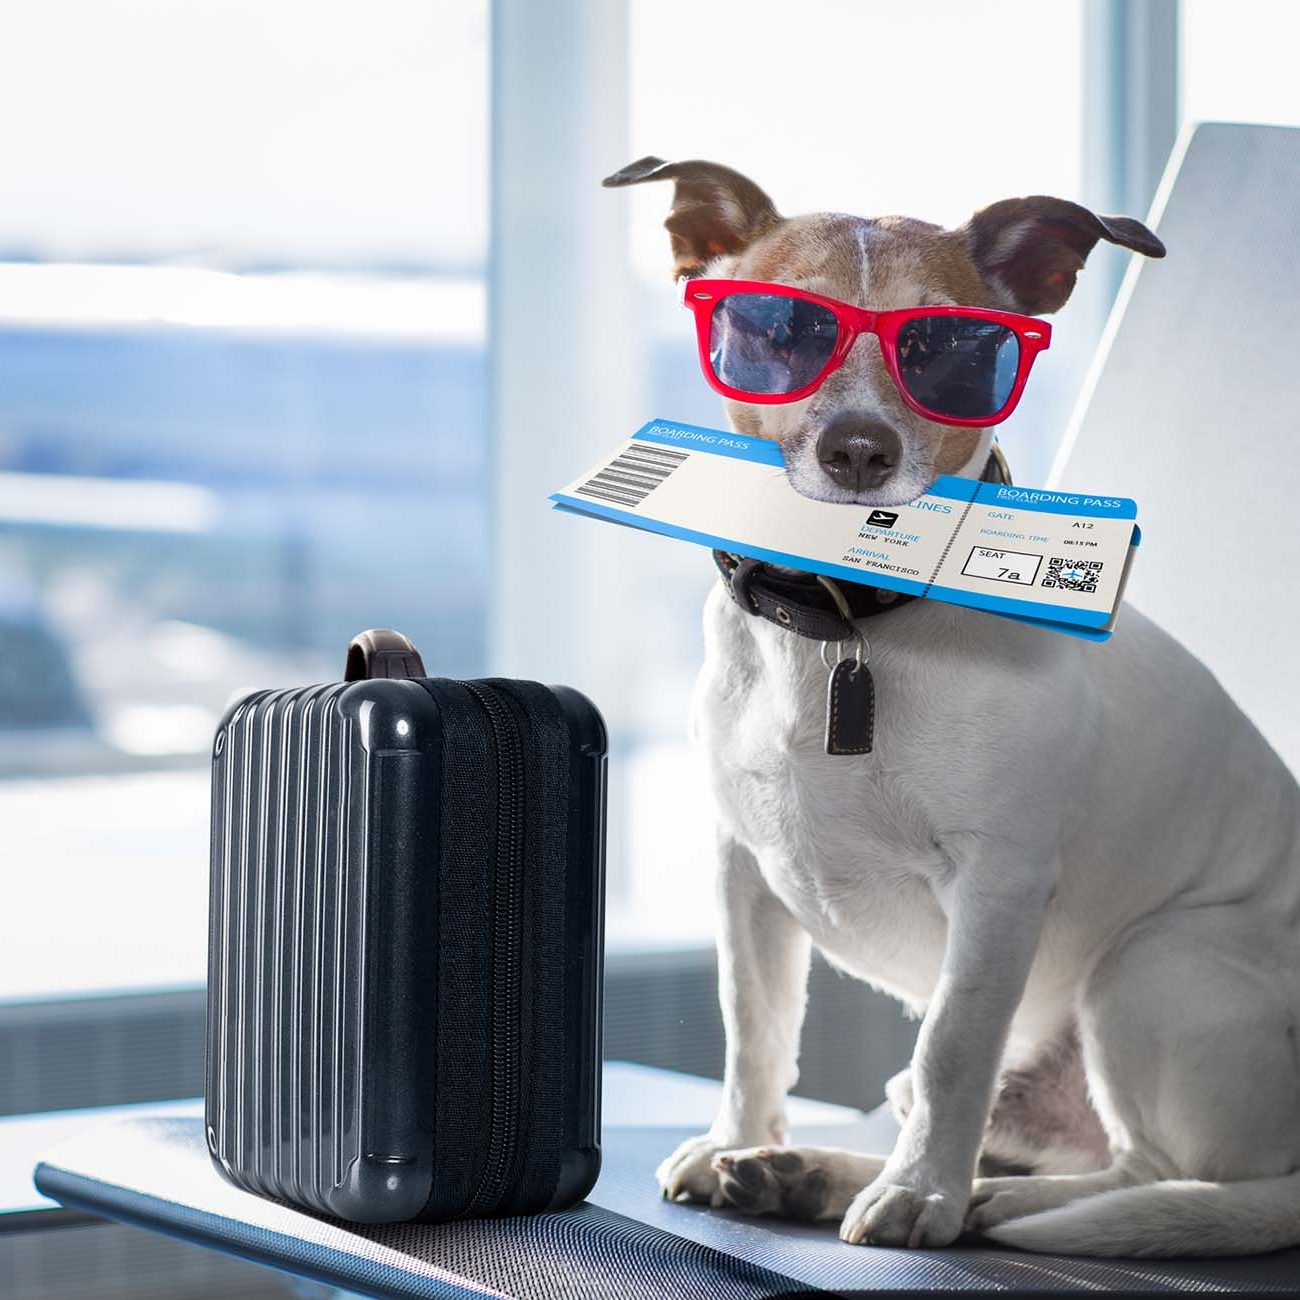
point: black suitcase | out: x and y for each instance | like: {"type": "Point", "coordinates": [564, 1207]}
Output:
{"type": "Point", "coordinates": [405, 943]}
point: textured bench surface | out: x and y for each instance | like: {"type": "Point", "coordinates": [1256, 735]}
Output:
{"type": "Point", "coordinates": [152, 1169]}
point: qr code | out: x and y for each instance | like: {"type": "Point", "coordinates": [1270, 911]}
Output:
{"type": "Point", "coordinates": [1072, 575]}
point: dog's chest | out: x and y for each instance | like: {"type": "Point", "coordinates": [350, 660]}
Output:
{"type": "Point", "coordinates": [841, 840]}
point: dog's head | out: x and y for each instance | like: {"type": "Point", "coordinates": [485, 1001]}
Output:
{"type": "Point", "coordinates": [855, 439]}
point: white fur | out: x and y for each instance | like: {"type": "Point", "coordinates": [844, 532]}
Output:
{"type": "Point", "coordinates": [1080, 862]}
{"type": "Point", "coordinates": [1049, 833]}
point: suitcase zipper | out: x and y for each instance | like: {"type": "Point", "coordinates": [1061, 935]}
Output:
{"type": "Point", "coordinates": [506, 924]}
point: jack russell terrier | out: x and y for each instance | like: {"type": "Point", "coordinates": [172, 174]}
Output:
{"type": "Point", "coordinates": [1079, 863]}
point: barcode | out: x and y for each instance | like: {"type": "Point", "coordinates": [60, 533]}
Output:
{"type": "Point", "coordinates": [633, 474]}
{"type": "Point", "coordinates": [1072, 575]}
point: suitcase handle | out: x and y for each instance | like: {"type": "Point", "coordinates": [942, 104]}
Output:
{"type": "Point", "coordinates": [381, 652]}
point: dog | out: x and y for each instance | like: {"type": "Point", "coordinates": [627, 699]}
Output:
{"type": "Point", "coordinates": [1079, 863]}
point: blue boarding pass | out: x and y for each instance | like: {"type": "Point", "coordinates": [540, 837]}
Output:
{"type": "Point", "coordinates": [1059, 560]}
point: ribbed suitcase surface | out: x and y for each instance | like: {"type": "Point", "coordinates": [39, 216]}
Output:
{"type": "Point", "coordinates": [405, 947]}
{"type": "Point", "coordinates": [290, 905]}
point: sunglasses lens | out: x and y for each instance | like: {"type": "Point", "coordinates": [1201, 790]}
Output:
{"type": "Point", "coordinates": [958, 366]}
{"type": "Point", "coordinates": [765, 343]}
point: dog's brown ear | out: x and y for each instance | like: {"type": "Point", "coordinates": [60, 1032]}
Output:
{"type": "Point", "coordinates": [715, 210]}
{"type": "Point", "coordinates": [1032, 249]}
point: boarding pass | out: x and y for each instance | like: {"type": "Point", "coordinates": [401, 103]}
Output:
{"type": "Point", "coordinates": [1056, 559]}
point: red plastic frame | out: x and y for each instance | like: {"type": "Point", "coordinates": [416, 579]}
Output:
{"type": "Point", "coordinates": [703, 296]}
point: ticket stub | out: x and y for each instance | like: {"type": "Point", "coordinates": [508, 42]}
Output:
{"type": "Point", "coordinates": [1056, 559]}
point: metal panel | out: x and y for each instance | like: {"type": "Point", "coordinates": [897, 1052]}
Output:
{"type": "Point", "coordinates": [1191, 409]}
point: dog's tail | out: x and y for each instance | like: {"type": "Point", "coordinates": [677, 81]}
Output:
{"type": "Point", "coordinates": [1170, 1218]}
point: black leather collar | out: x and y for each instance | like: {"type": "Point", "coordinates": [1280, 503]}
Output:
{"type": "Point", "coordinates": [813, 606]}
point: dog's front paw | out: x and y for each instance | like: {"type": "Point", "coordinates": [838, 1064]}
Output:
{"type": "Point", "coordinates": [775, 1180]}
{"type": "Point", "coordinates": [688, 1174]}
{"type": "Point", "coordinates": [907, 1212]}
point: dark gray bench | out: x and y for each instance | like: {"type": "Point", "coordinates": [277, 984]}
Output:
{"type": "Point", "coordinates": [151, 1168]}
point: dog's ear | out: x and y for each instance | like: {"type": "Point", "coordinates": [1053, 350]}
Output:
{"type": "Point", "coordinates": [1030, 250]}
{"type": "Point", "coordinates": [715, 210]}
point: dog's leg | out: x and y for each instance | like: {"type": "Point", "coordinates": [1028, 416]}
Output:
{"type": "Point", "coordinates": [1041, 1122]}
{"type": "Point", "coordinates": [1189, 1029]}
{"type": "Point", "coordinates": [995, 1200]}
{"type": "Point", "coordinates": [996, 909]}
{"type": "Point", "coordinates": [763, 958]}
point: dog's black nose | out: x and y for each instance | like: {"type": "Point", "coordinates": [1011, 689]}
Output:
{"type": "Point", "coordinates": [858, 453]}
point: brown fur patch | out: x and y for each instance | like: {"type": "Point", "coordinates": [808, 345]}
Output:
{"type": "Point", "coordinates": [828, 247]}
{"type": "Point", "coordinates": [901, 250]}
{"type": "Point", "coordinates": [884, 263]}
{"type": "Point", "coordinates": [957, 447]}
{"type": "Point", "coordinates": [745, 419]}
{"type": "Point", "coordinates": [1019, 254]}
{"type": "Point", "coordinates": [821, 249]}
{"type": "Point", "coordinates": [1032, 249]}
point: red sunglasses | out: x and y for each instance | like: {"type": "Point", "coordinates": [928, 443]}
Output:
{"type": "Point", "coordinates": [769, 343]}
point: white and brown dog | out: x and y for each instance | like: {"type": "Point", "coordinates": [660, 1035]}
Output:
{"type": "Point", "coordinates": [1079, 862]}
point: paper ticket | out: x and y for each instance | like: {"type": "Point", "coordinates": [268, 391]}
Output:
{"type": "Point", "coordinates": [1057, 559]}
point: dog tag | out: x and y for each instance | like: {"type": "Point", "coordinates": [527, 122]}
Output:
{"type": "Point", "coordinates": [850, 708]}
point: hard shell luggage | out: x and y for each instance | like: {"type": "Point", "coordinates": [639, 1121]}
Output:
{"type": "Point", "coordinates": [405, 943]}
